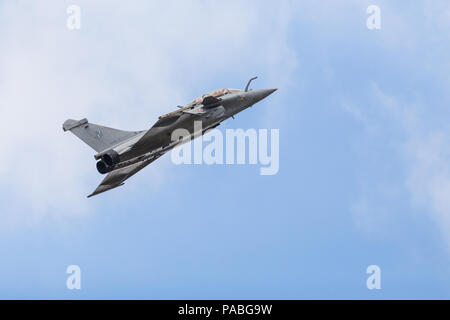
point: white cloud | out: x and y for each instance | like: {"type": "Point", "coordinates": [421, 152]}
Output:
{"type": "Point", "coordinates": [129, 63]}
{"type": "Point", "coordinates": [424, 152]}
{"type": "Point", "coordinates": [410, 120]}
{"type": "Point", "coordinates": [429, 176]}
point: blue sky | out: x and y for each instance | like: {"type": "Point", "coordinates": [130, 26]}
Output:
{"type": "Point", "coordinates": [364, 146]}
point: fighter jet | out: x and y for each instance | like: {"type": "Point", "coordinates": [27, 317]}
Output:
{"type": "Point", "coordinates": [121, 154]}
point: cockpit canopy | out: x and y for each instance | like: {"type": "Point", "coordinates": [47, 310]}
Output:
{"type": "Point", "coordinates": [215, 93]}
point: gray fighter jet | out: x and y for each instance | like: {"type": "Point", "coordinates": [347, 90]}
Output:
{"type": "Point", "coordinates": [121, 154]}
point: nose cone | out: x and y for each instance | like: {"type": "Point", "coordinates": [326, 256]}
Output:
{"type": "Point", "coordinates": [259, 94]}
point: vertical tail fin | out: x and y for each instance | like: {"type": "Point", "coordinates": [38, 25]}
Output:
{"type": "Point", "coordinates": [97, 137]}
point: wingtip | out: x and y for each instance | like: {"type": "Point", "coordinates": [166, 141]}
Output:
{"type": "Point", "coordinates": [104, 188]}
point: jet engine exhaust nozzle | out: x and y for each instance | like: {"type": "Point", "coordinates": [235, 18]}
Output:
{"type": "Point", "coordinates": [111, 158]}
{"type": "Point", "coordinates": [102, 167]}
